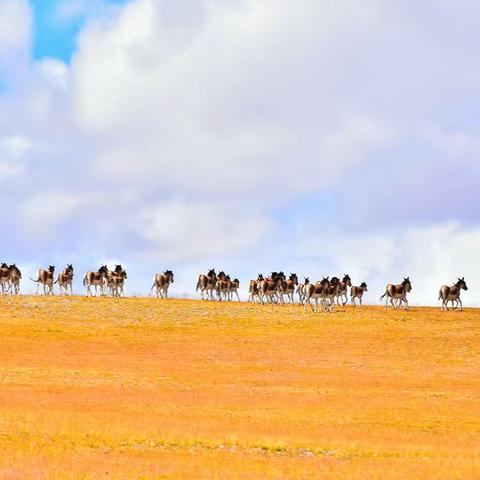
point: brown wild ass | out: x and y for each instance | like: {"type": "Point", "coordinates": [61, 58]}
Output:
{"type": "Point", "coordinates": [342, 289]}
{"type": "Point", "coordinates": [116, 281]}
{"type": "Point", "coordinates": [65, 280]}
{"type": "Point", "coordinates": [269, 288]}
{"type": "Point", "coordinates": [357, 292]}
{"type": "Point", "coordinates": [253, 293]}
{"type": "Point", "coordinates": [14, 280]}
{"type": "Point", "coordinates": [301, 290]}
{"type": "Point", "coordinates": [45, 277]}
{"type": "Point", "coordinates": [287, 287]}
{"type": "Point", "coordinates": [397, 292]}
{"type": "Point", "coordinates": [234, 286]}
{"type": "Point", "coordinates": [4, 277]}
{"type": "Point", "coordinates": [95, 279]}
{"type": "Point", "coordinates": [452, 294]}
{"type": "Point", "coordinates": [206, 284]}
{"type": "Point", "coordinates": [317, 292]}
{"type": "Point", "coordinates": [162, 282]}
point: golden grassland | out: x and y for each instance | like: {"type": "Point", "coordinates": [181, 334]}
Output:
{"type": "Point", "coordinates": [144, 388]}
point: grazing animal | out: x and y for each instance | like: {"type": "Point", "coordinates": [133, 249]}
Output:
{"type": "Point", "coordinates": [95, 279]}
{"type": "Point", "coordinates": [206, 284]}
{"type": "Point", "coordinates": [451, 294]}
{"type": "Point", "coordinates": [162, 282]}
{"type": "Point", "coordinates": [397, 292]}
{"type": "Point", "coordinates": [301, 289]}
{"type": "Point", "coordinates": [319, 291]}
{"type": "Point", "coordinates": [45, 278]}
{"type": "Point", "coordinates": [14, 279]}
{"type": "Point", "coordinates": [65, 280]}
{"type": "Point", "coordinates": [357, 292]}
{"type": "Point", "coordinates": [342, 289]}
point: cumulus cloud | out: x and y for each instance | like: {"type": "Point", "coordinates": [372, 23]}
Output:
{"type": "Point", "coordinates": [188, 131]}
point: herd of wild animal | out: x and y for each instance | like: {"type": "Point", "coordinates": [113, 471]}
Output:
{"type": "Point", "coordinates": [265, 289]}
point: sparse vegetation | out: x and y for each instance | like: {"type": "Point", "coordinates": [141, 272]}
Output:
{"type": "Point", "coordinates": [140, 388]}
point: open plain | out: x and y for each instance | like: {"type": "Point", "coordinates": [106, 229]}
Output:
{"type": "Point", "coordinates": [141, 388]}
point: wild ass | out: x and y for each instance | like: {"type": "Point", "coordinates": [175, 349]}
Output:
{"type": "Point", "coordinates": [65, 280]}
{"type": "Point", "coordinates": [162, 282]}
{"type": "Point", "coordinates": [222, 286]}
{"type": "Point", "coordinates": [397, 292]}
{"type": "Point", "coordinates": [253, 293]}
{"type": "Point", "coordinates": [14, 279]}
{"type": "Point", "coordinates": [206, 284]}
{"type": "Point", "coordinates": [116, 281]}
{"type": "Point", "coordinates": [301, 290]}
{"type": "Point", "coordinates": [357, 292]}
{"type": "Point", "coordinates": [4, 277]}
{"type": "Point", "coordinates": [269, 287]}
{"type": "Point", "coordinates": [233, 289]}
{"type": "Point", "coordinates": [95, 279]}
{"type": "Point", "coordinates": [287, 287]}
{"type": "Point", "coordinates": [342, 289]}
{"type": "Point", "coordinates": [451, 294]}
{"type": "Point", "coordinates": [317, 292]}
{"type": "Point", "coordinates": [45, 277]}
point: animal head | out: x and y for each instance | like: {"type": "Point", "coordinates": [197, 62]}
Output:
{"type": "Point", "coordinates": [364, 286]}
{"type": "Point", "coordinates": [407, 284]}
{"type": "Point", "coordinates": [260, 277]}
{"type": "Point", "coordinates": [334, 281]}
{"type": "Point", "coordinates": [347, 280]}
{"type": "Point", "coordinates": [169, 274]}
{"type": "Point", "coordinates": [307, 280]}
{"type": "Point", "coordinates": [51, 268]}
{"type": "Point", "coordinates": [118, 269]}
{"type": "Point", "coordinates": [293, 277]}
{"type": "Point", "coordinates": [211, 273]}
{"type": "Point", "coordinates": [462, 284]}
{"type": "Point", "coordinates": [4, 265]}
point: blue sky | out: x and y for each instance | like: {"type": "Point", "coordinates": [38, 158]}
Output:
{"type": "Point", "coordinates": [318, 137]}
{"type": "Point", "coordinates": [53, 36]}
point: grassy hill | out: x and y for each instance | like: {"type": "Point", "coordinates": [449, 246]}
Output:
{"type": "Point", "coordinates": [142, 388]}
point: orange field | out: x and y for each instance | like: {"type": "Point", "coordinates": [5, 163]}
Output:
{"type": "Point", "coordinates": [144, 388]}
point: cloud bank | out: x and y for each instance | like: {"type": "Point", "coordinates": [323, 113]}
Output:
{"type": "Point", "coordinates": [313, 136]}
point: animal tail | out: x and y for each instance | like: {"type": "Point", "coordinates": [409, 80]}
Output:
{"type": "Point", "coordinates": [383, 296]}
{"type": "Point", "coordinates": [198, 285]}
{"type": "Point", "coordinates": [36, 281]}
{"type": "Point", "coordinates": [85, 280]}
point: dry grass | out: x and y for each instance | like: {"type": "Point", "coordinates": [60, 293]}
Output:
{"type": "Point", "coordinates": [140, 388]}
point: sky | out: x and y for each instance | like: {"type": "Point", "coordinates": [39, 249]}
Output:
{"type": "Point", "coordinates": [314, 137]}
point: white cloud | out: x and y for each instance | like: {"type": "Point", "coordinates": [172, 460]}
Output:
{"type": "Point", "coordinates": [431, 255]}
{"type": "Point", "coordinates": [193, 130]}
